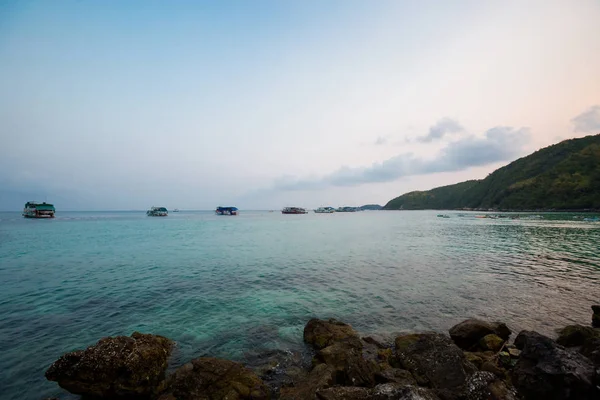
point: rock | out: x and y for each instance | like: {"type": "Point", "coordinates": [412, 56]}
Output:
{"type": "Point", "coordinates": [467, 334]}
{"type": "Point", "coordinates": [546, 370]}
{"type": "Point", "coordinates": [491, 342]}
{"type": "Point", "coordinates": [320, 333]}
{"type": "Point", "coordinates": [395, 375]}
{"type": "Point", "coordinates": [115, 367]}
{"type": "Point", "coordinates": [213, 378]}
{"type": "Point", "coordinates": [591, 349]}
{"type": "Point", "coordinates": [435, 361]}
{"type": "Point", "coordinates": [596, 316]}
{"type": "Point", "coordinates": [486, 386]}
{"type": "Point", "coordinates": [513, 352]}
{"type": "Point", "coordinates": [319, 378]}
{"type": "Point", "coordinates": [494, 369]}
{"type": "Point", "coordinates": [388, 391]}
{"type": "Point", "coordinates": [474, 358]}
{"type": "Point", "coordinates": [377, 341]}
{"type": "Point", "coordinates": [576, 335]}
{"type": "Point", "coordinates": [350, 367]}
{"type": "Point", "coordinates": [505, 359]}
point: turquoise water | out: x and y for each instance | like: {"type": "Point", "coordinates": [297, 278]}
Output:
{"type": "Point", "coordinates": [233, 286]}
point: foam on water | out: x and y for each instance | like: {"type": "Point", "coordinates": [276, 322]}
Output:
{"type": "Point", "coordinates": [237, 286]}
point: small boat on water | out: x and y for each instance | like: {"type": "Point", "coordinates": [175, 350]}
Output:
{"type": "Point", "coordinates": [443, 216]}
{"type": "Point", "coordinates": [325, 210]}
{"type": "Point", "coordinates": [157, 212]}
{"type": "Point", "coordinates": [38, 210]}
{"type": "Point", "coordinates": [293, 210]}
{"type": "Point", "coordinates": [176, 210]}
{"type": "Point", "coordinates": [226, 211]}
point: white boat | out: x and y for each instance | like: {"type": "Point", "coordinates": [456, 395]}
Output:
{"type": "Point", "coordinates": [325, 210]}
{"type": "Point", "coordinates": [157, 212]}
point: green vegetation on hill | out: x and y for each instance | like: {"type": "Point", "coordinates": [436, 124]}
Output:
{"type": "Point", "coordinates": [564, 176]}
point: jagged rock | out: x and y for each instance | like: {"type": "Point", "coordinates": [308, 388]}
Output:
{"type": "Point", "coordinates": [491, 342]}
{"type": "Point", "coordinates": [435, 361]}
{"type": "Point", "coordinates": [320, 377]}
{"type": "Point", "coordinates": [320, 333]}
{"type": "Point", "coordinates": [214, 379]}
{"type": "Point", "coordinates": [115, 367]}
{"type": "Point", "coordinates": [350, 367]}
{"type": "Point", "coordinates": [388, 391]}
{"type": "Point", "coordinates": [468, 333]}
{"type": "Point", "coordinates": [377, 341]}
{"type": "Point", "coordinates": [596, 316]}
{"type": "Point", "coordinates": [546, 370]}
{"type": "Point", "coordinates": [576, 335]}
{"type": "Point", "coordinates": [395, 375]}
{"type": "Point", "coordinates": [485, 386]}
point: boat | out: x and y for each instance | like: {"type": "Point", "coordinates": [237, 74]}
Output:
{"type": "Point", "coordinates": [226, 211]}
{"type": "Point", "coordinates": [325, 210]}
{"type": "Point", "coordinates": [33, 209]}
{"type": "Point", "coordinates": [157, 212]}
{"type": "Point", "coordinates": [176, 210]}
{"type": "Point", "coordinates": [293, 210]}
{"type": "Point", "coordinates": [348, 209]}
{"type": "Point", "coordinates": [443, 216]}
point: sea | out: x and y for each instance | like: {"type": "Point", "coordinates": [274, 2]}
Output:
{"type": "Point", "coordinates": [238, 286]}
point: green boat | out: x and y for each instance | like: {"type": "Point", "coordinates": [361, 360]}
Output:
{"type": "Point", "coordinates": [38, 210]}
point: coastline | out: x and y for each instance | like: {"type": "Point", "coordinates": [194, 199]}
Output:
{"type": "Point", "coordinates": [478, 360]}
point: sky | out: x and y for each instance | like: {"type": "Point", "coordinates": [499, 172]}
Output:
{"type": "Point", "coordinates": [108, 105]}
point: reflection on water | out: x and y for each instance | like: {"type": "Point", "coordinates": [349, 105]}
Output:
{"type": "Point", "coordinates": [238, 286]}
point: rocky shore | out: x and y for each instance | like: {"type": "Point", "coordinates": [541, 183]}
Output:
{"type": "Point", "coordinates": [477, 361]}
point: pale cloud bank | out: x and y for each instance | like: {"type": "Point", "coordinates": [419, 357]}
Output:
{"type": "Point", "coordinates": [497, 144]}
{"type": "Point", "coordinates": [588, 121]}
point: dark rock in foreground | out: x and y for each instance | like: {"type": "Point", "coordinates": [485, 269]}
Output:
{"type": "Point", "coordinates": [320, 333]}
{"type": "Point", "coordinates": [213, 378]}
{"type": "Point", "coordinates": [305, 389]}
{"type": "Point", "coordinates": [115, 367]}
{"type": "Point", "coordinates": [596, 316]}
{"type": "Point", "coordinates": [435, 361]}
{"type": "Point", "coordinates": [486, 386]}
{"type": "Point", "coordinates": [546, 370]}
{"type": "Point", "coordinates": [388, 391]}
{"type": "Point", "coordinates": [467, 334]}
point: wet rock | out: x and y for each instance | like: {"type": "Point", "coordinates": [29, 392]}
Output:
{"type": "Point", "coordinates": [591, 349]}
{"type": "Point", "coordinates": [486, 386]}
{"type": "Point", "coordinates": [395, 375]}
{"type": "Point", "coordinates": [320, 377]}
{"type": "Point", "coordinates": [546, 370]}
{"type": "Point", "coordinates": [320, 333]}
{"type": "Point", "coordinates": [435, 361]}
{"type": "Point", "coordinates": [468, 333]}
{"type": "Point", "coordinates": [213, 378]}
{"type": "Point", "coordinates": [388, 391]}
{"type": "Point", "coordinates": [491, 342]}
{"type": "Point", "coordinates": [380, 342]}
{"type": "Point", "coordinates": [513, 352]}
{"type": "Point", "coordinates": [350, 367]}
{"type": "Point", "coordinates": [596, 316]}
{"type": "Point", "coordinates": [115, 367]}
{"type": "Point", "coordinates": [576, 335]}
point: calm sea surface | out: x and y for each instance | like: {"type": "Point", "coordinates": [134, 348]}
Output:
{"type": "Point", "coordinates": [230, 286]}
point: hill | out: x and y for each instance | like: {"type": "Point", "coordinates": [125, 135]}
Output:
{"type": "Point", "coordinates": [564, 176]}
{"type": "Point", "coordinates": [370, 207]}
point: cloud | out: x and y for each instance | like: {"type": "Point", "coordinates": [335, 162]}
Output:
{"type": "Point", "coordinates": [381, 140]}
{"type": "Point", "coordinates": [497, 144]}
{"type": "Point", "coordinates": [588, 121]}
{"type": "Point", "coordinates": [440, 129]}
